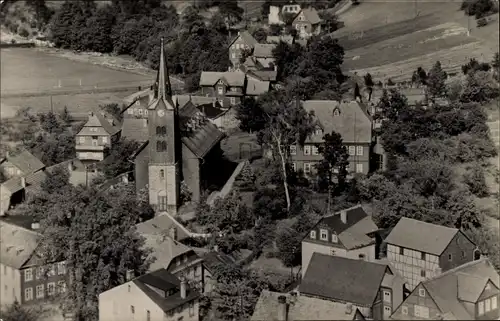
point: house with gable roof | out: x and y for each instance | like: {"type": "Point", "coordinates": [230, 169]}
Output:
{"type": "Point", "coordinates": [228, 87]}
{"type": "Point", "coordinates": [96, 136]}
{"type": "Point", "coordinates": [468, 292]}
{"type": "Point", "coordinates": [420, 250]}
{"type": "Point", "coordinates": [243, 41]}
{"type": "Point", "coordinates": [349, 119]}
{"type": "Point", "coordinates": [23, 277]}
{"type": "Point", "coordinates": [179, 144]}
{"type": "Point", "coordinates": [307, 23]}
{"type": "Point", "coordinates": [349, 233]}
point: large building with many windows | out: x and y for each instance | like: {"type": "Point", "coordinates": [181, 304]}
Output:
{"type": "Point", "coordinates": [23, 277]}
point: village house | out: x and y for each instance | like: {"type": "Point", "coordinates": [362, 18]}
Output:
{"type": "Point", "coordinates": [467, 292]}
{"type": "Point", "coordinates": [349, 119]}
{"type": "Point", "coordinates": [162, 235]}
{"type": "Point", "coordinates": [275, 306]}
{"type": "Point", "coordinates": [243, 41]}
{"type": "Point", "coordinates": [350, 233]}
{"type": "Point", "coordinates": [156, 296]}
{"type": "Point", "coordinates": [23, 278]}
{"type": "Point", "coordinates": [24, 173]}
{"type": "Point", "coordinates": [373, 288]}
{"type": "Point", "coordinates": [277, 15]}
{"type": "Point", "coordinates": [96, 136]}
{"type": "Point", "coordinates": [263, 54]}
{"type": "Point", "coordinates": [228, 87]}
{"type": "Point", "coordinates": [307, 23]}
{"type": "Point", "coordinates": [178, 144]}
{"type": "Point", "coordinates": [420, 250]}
{"type": "Point", "coordinates": [289, 39]}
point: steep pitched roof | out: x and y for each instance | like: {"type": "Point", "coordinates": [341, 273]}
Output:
{"type": "Point", "coordinates": [353, 281]}
{"type": "Point", "coordinates": [98, 119]}
{"type": "Point", "coordinates": [352, 123]}
{"type": "Point", "coordinates": [311, 15]}
{"type": "Point", "coordinates": [135, 129]}
{"type": "Point", "coordinates": [421, 236]}
{"type": "Point", "coordinates": [303, 308]}
{"type": "Point", "coordinates": [264, 75]}
{"type": "Point", "coordinates": [162, 224]}
{"type": "Point", "coordinates": [247, 38]}
{"type": "Point", "coordinates": [463, 282]}
{"type": "Point", "coordinates": [233, 78]}
{"type": "Point", "coordinates": [25, 161]}
{"type": "Point", "coordinates": [256, 87]}
{"type": "Point", "coordinates": [264, 50]}
{"type": "Point", "coordinates": [164, 281]}
{"type": "Point", "coordinates": [17, 244]}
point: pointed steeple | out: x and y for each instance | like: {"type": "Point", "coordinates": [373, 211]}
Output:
{"type": "Point", "coordinates": [163, 88]}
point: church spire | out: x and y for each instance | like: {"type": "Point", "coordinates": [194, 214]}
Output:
{"type": "Point", "coordinates": [163, 88]}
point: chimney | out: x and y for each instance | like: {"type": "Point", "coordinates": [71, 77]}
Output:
{"type": "Point", "coordinates": [343, 216]}
{"type": "Point", "coordinates": [173, 233]}
{"type": "Point", "coordinates": [139, 88]}
{"type": "Point", "coordinates": [35, 226]}
{"type": "Point", "coordinates": [282, 313]}
{"type": "Point", "coordinates": [183, 288]}
{"type": "Point", "coordinates": [130, 275]}
{"type": "Point", "coordinates": [23, 182]}
{"type": "Point", "coordinates": [348, 308]}
{"type": "Point", "coordinates": [91, 114]}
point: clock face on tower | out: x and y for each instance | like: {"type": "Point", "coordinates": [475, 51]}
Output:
{"type": "Point", "coordinates": [161, 113]}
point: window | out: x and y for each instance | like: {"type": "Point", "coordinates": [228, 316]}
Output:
{"type": "Point", "coordinates": [361, 256]}
{"type": "Point", "coordinates": [28, 274]}
{"type": "Point", "coordinates": [28, 294]}
{"type": "Point", "coordinates": [94, 142]}
{"type": "Point", "coordinates": [233, 101]}
{"type": "Point", "coordinates": [61, 268]}
{"type": "Point", "coordinates": [132, 309]}
{"type": "Point", "coordinates": [52, 270]}
{"type": "Point", "coordinates": [294, 167]}
{"type": "Point", "coordinates": [401, 251]}
{"type": "Point", "coordinates": [387, 296]}
{"type": "Point", "coordinates": [81, 139]}
{"type": "Point", "coordinates": [422, 273]}
{"type": "Point", "coordinates": [51, 288]}
{"type": "Point", "coordinates": [404, 310]}
{"type": "Point", "coordinates": [307, 150]}
{"type": "Point", "coordinates": [39, 291]}
{"type": "Point", "coordinates": [494, 303]}
{"type": "Point", "coordinates": [61, 287]}
{"type": "Point", "coordinates": [130, 110]}
{"type": "Point", "coordinates": [480, 308]}
{"type": "Point", "coordinates": [221, 90]}
{"type": "Point", "coordinates": [162, 202]}
{"type": "Point", "coordinates": [161, 146]}
{"type": "Point", "coordinates": [463, 254]}
{"type": "Point", "coordinates": [323, 235]}
{"type": "Point", "coordinates": [487, 305]}
{"type": "Point", "coordinates": [359, 168]}
{"type": "Point", "coordinates": [313, 234]}
{"type": "Point", "coordinates": [318, 131]}
{"type": "Point", "coordinates": [315, 150]}
{"type": "Point", "coordinates": [421, 293]}
{"type": "Point", "coordinates": [162, 173]}
{"type": "Point", "coordinates": [352, 150]}
{"type": "Point", "coordinates": [140, 111]}
{"type": "Point", "coordinates": [359, 150]}
{"type": "Point", "coordinates": [307, 168]}
{"type": "Point", "coordinates": [450, 257]}
{"type": "Point", "coordinates": [39, 272]}
{"type": "Point", "coordinates": [422, 312]}
{"type": "Point", "coordinates": [387, 311]}
{"type": "Point", "coordinates": [233, 55]}
{"type": "Point", "coordinates": [148, 315]}
{"type": "Point", "coordinates": [422, 256]}
{"type": "Point", "coordinates": [335, 239]}
{"type": "Point", "coordinates": [191, 309]}
{"type": "Point", "coordinates": [293, 150]}
{"type": "Point", "coordinates": [105, 139]}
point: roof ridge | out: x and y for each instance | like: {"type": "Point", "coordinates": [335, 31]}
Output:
{"type": "Point", "coordinates": [458, 268]}
{"type": "Point", "coordinates": [346, 209]}
{"type": "Point", "coordinates": [423, 222]}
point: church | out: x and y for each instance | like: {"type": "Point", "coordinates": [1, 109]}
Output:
{"type": "Point", "coordinates": [178, 144]}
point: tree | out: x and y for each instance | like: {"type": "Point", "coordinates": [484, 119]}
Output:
{"type": "Point", "coordinates": [287, 123]}
{"type": "Point", "coordinates": [114, 110]}
{"type": "Point", "coordinates": [99, 27]}
{"type": "Point", "coordinates": [96, 262]}
{"type": "Point", "coordinates": [118, 161]}
{"type": "Point", "coordinates": [369, 84]}
{"type": "Point", "coordinates": [56, 180]}
{"type": "Point", "coordinates": [436, 81]}
{"type": "Point", "coordinates": [287, 59]}
{"type": "Point", "coordinates": [330, 21]}
{"type": "Point", "coordinates": [260, 35]}
{"type": "Point", "coordinates": [419, 76]}
{"type": "Point", "coordinates": [475, 180]}
{"type": "Point", "coordinates": [480, 87]}
{"type": "Point", "coordinates": [16, 312]}
{"type": "Point", "coordinates": [473, 65]}
{"type": "Point", "coordinates": [250, 115]}
{"type": "Point", "coordinates": [332, 169]}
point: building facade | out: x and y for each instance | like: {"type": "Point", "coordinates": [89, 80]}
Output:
{"type": "Point", "coordinates": [307, 23]}
{"type": "Point", "coordinates": [420, 250]}
{"type": "Point", "coordinates": [243, 41]}
{"type": "Point", "coordinates": [227, 87]}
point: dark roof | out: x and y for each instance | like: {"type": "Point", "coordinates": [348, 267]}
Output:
{"type": "Point", "coordinates": [342, 279]}
{"type": "Point", "coordinates": [264, 75]}
{"type": "Point", "coordinates": [354, 215]}
{"type": "Point", "coordinates": [25, 161]}
{"type": "Point", "coordinates": [210, 111]}
{"type": "Point", "coordinates": [165, 281]}
{"type": "Point", "coordinates": [247, 38]}
{"type": "Point", "coordinates": [212, 259]}
{"type": "Point", "coordinates": [311, 15]}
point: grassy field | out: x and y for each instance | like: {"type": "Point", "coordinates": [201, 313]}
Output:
{"type": "Point", "coordinates": [390, 39]}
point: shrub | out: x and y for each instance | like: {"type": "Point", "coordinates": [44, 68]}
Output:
{"type": "Point", "coordinates": [481, 22]}
{"type": "Point", "coordinates": [390, 82]}
{"type": "Point", "coordinates": [12, 40]}
{"type": "Point", "coordinates": [23, 32]}
{"type": "Point", "coordinates": [475, 180]}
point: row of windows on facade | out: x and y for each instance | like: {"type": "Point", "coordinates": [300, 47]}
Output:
{"type": "Point", "coordinates": [95, 140]}
{"type": "Point", "coordinates": [323, 236]}
{"type": "Point", "coordinates": [239, 46]}
{"type": "Point", "coordinates": [11, 171]}
{"type": "Point", "coordinates": [40, 290]}
{"type": "Point", "coordinates": [83, 155]}
{"type": "Point", "coordinates": [40, 271]}
{"type": "Point", "coordinates": [424, 257]}
{"type": "Point", "coordinates": [169, 313]}
{"type": "Point", "coordinates": [308, 167]}
{"type": "Point", "coordinates": [313, 150]}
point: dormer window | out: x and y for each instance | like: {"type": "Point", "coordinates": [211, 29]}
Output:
{"type": "Point", "coordinates": [293, 150]}
{"type": "Point", "coordinates": [313, 235]}
{"type": "Point", "coordinates": [221, 90]}
{"type": "Point", "coordinates": [421, 293]}
{"type": "Point", "coordinates": [318, 131]}
{"type": "Point", "coordinates": [323, 235]}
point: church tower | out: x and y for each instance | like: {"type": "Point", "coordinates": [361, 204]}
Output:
{"type": "Point", "coordinates": [164, 144]}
